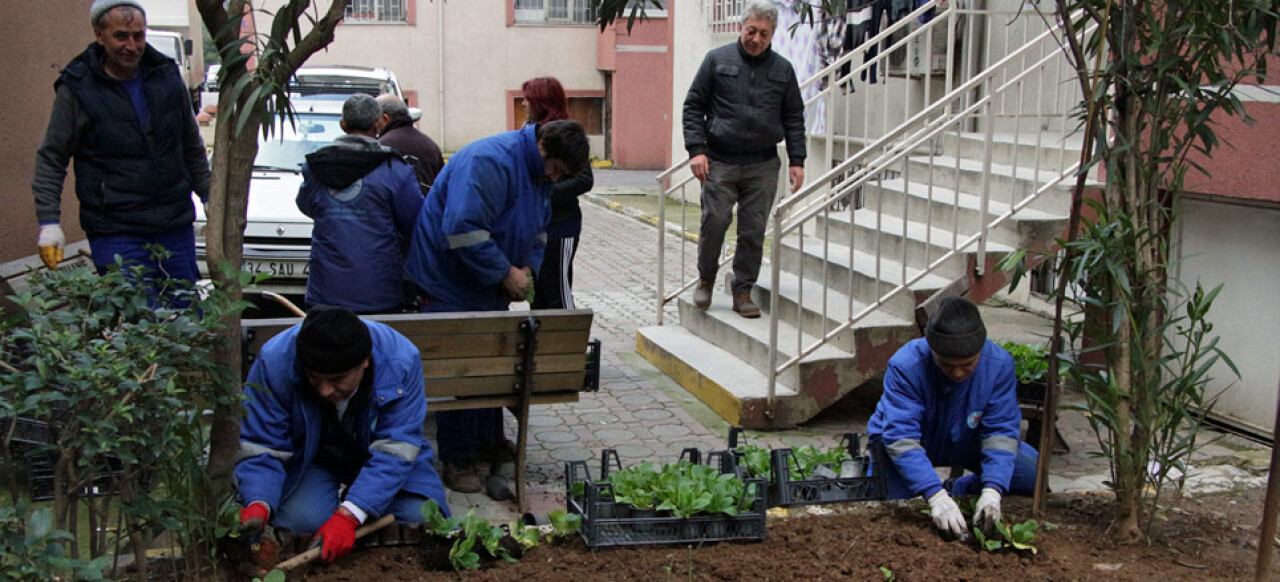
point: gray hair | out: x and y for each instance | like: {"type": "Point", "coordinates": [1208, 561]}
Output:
{"type": "Point", "coordinates": [760, 10]}
{"type": "Point", "coordinates": [392, 106]}
{"type": "Point", "coordinates": [360, 112]}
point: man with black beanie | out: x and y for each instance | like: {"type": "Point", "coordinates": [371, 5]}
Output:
{"type": "Point", "coordinates": [950, 399]}
{"type": "Point", "coordinates": [334, 401]}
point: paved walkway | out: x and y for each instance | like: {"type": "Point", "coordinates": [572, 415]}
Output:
{"type": "Point", "coordinates": [645, 416]}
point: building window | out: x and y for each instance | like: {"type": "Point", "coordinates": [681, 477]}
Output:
{"type": "Point", "coordinates": [588, 111]}
{"type": "Point", "coordinates": [376, 10]}
{"type": "Point", "coordinates": [554, 12]}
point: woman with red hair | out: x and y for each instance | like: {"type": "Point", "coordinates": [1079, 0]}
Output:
{"type": "Point", "coordinates": [544, 101]}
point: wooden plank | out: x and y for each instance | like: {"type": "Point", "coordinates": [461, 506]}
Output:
{"type": "Point", "coordinates": [498, 402]}
{"type": "Point", "coordinates": [503, 385]}
{"type": "Point", "coordinates": [444, 324]}
{"type": "Point", "coordinates": [440, 346]}
{"type": "Point", "coordinates": [500, 366]}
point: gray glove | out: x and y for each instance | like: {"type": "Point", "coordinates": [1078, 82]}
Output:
{"type": "Point", "coordinates": [946, 514]}
{"type": "Point", "coordinates": [987, 513]}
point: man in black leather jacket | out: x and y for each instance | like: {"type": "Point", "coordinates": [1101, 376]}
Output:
{"type": "Point", "coordinates": [744, 99]}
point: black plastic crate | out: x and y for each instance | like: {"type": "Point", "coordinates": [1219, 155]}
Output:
{"type": "Point", "coordinates": [786, 492]}
{"type": "Point", "coordinates": [603, 526]}
{"type": "Point", "coordinates": [27, 431]}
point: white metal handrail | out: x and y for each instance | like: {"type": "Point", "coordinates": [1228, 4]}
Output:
{"type": "Point", "coordinates": [1024, 95]}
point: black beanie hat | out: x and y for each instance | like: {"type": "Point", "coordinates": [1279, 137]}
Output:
{"type": "Point", "coordinates": [332, 340]}
{"type": "Point", "coordinates": [955, 330]}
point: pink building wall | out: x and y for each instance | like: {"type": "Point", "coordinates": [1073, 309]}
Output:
{"type": "Point", "coordinates": [641, 105]}
{"type": "Point", "coordinates": [1245, 165]}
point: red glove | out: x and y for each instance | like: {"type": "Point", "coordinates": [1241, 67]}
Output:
{"type": "Point", "coordinates": [253, 517]}
{"type": "Point", "coordinates": [338, 535]}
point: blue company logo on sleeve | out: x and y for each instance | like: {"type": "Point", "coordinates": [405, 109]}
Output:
{"type": "Point", "coordinates": [974, 418]}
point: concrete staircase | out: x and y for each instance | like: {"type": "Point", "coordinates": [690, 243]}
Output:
{"type": "Point", "coordinates": [848, 260]}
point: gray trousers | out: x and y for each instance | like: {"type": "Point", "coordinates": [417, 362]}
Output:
{"type": "Point", "coordinates": [752, 187]}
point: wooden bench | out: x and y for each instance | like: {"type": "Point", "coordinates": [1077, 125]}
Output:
{"type": "Point", "coordinates": [488, 359]}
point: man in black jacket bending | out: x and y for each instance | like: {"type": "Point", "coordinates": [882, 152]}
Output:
{"type": "Point", "coordinates": [744, 100]}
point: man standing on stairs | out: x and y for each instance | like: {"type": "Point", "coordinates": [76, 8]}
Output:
{"type": "Point", "coordinates": [744, 100]}
{"type": "Point", "coordinates": [950, 400]}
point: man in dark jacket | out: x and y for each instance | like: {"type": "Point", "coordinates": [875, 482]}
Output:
{"type": "Point", "coordinates": [744, 99]}
{"type": "Point", "coordinates": [396, 131]}
{"type": "Point", "coordinates": [365, 200]}
{"type": "Point", "coordinates": [122, 111]}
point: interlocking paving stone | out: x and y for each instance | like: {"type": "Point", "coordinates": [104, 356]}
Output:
{"type": "Point", "coordinates": [669, 430]}
{"type": "Point", "coordinates": [652, 414]}
{"type": "Point", "coordinates": [541, 421]}
{"type": "Point", "coordinates": [599, 418]}
{"type": "Point", "coordinates": [555, 436]}
{"type": "Point", "coordinates": [636, 399]}
{"type": "Point", "coordinates": [572, 454]}
{"type": "Point", "coordinates": [634, 452]}
{"type": "Point", "coordinates": [615, 435]}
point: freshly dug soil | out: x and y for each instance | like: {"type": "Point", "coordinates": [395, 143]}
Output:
{"type": "Point", "coordinates": [1206, 539]}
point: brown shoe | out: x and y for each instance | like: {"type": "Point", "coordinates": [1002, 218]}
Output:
{"type": "Point", "coordinates": [461, 477]}
{"type": "Point", "coordinates": [744, 306]}
{"type": "Point", "coordinates": [702, 295]}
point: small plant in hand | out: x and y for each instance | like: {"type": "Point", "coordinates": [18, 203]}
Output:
{"type": "Point", "coordinates": [475, 542]}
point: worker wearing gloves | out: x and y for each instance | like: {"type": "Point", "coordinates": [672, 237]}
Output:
{"type": "Point", "coordinates": [123, 114]}
{"type": "Point", "coordinates": [950, 400]}
{"type": "Point", "coordinates": [334, 401]}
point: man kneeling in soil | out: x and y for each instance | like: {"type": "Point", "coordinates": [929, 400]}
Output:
{"type": "Point", "coordinates": [334, 401]}
{"type": "Point", "coordinates": [950, 399]}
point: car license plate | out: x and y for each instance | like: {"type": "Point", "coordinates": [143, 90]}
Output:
{"type": "Point", "coordinates": [280, 269]}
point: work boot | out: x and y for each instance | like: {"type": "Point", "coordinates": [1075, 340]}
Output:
{"type": "Point", "coordinates": [461, 476]}
{"type": "Point", "coordinates": [744, 306]}
{"type": "Point", "coordinates": [702, 295]}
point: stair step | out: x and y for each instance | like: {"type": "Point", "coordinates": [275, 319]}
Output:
{"type": "Point", "coordinates": [923, 243]}
{"type": "Point", "coordinates": [815, 321]}
{"type": "Point", "coordinates": [940, 196]}
{"type": "Point", "coordinates": [1007, 184]}
{"type": "Point", "coordinates": [866, 285]}
{"type": "Point", "coordinates": [737, 392]}
{"type": "Point", "coordinates": [748, 339]}
{"type": "Point", "coordinates": [1049, 153]}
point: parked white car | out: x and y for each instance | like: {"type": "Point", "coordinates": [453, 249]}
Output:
{"type": "Point", "coordinates": [277, 237]}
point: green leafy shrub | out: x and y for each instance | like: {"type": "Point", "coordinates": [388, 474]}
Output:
{"type": "Point", "coordinates": [34, 551]}
{"type": "Point", "coordinates": [123, 379]}
{"type": "Point", "coordinates": [1030, 361]}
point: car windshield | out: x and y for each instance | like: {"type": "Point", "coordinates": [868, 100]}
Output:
{"type": "Point", "coordinates": [288, 146]}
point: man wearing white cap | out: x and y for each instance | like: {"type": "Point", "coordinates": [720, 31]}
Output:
{"type": "Point", "coordinates": [950, 399]}
{"type": "Point", "coordinates": [122, 111]}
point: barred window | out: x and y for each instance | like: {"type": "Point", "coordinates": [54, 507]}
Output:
{"type": "Point", "coordinates": [554, 12]}
{"type": "Point", "coordinates": [376, 10]}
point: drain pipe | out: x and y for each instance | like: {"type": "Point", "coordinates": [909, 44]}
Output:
{"type": "Point", "coordinates": [440, 69]}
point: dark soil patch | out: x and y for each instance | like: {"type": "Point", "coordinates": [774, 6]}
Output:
{"type": "Point", "coordinates": [1207, 539]}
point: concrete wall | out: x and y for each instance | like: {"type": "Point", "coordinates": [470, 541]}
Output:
{"type": "Point", "coordinates": [39, 43]}
{"type": "Point", "coordinates": [691, 39]}
{"type": "Point", "coordinates": [1234, 244]}
{"type": "Point", "coordinates": [462, 58]}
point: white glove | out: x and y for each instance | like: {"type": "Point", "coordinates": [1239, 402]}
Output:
{"type": "Point", "coordinates": [50, 245]}
{"type": "Point", "coordinates": [946, 514]}
{"type": "Point", "coordinates": [987, 513]}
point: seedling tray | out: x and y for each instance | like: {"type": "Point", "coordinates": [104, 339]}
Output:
{"type": "Point", "coordinates": [603, 524]}
{"type": "Point", "coordinates": [787, 492]}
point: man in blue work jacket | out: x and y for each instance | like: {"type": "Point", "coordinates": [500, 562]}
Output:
{"type": "Point", "coordinates": [478, 244]}
{"type": "Point", "coordinates": [334, 401]}
{"type": "Point", "coordinates": [950, 399]}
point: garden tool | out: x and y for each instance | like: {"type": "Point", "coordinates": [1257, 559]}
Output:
{"type": "Point", "coordinates": [314, 553]}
